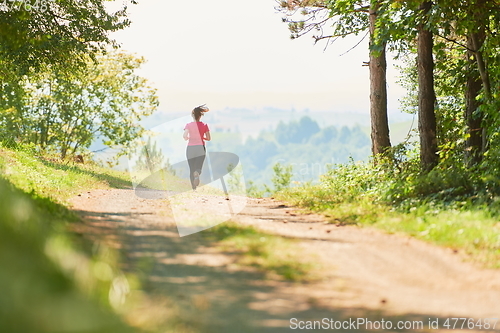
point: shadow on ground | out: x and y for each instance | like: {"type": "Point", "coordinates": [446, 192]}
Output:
{"type": "Point", "coordinates": [113, 182]}
{"type": "Point", "coordinates": [213, 293]}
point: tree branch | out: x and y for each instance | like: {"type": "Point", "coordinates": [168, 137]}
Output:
{"type": "Point", "coordinates": [455, 42]}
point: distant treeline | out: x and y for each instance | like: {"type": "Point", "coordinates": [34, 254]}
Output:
{"type": "Point", "coordinates": [304, 145]}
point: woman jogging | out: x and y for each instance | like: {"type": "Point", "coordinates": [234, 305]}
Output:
{"type": "Point", "coordinates": [197, 133]}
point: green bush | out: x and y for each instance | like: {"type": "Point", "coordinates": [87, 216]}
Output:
{"type": "Point", "coordinates": [452, 205]}
{"type": "Point", "coordinates": [37, 296]}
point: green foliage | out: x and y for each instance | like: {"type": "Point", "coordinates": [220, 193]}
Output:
{"type": "Point", "coordinates": [282, 177]}
{"type": "Point", "coordinates": [254, 191]}
{"type": "Point", "coordinates": [67, 112]}
{"type": "Point", "coordinates": [329, 18]}
{"type": "Point", "coordinates": [50, 280]}
{"type": "Point", "coordinates": [53, 279]}
{"type": "Point", "coordinates": [296, 132]}
{"type": "Point", "coordinates": [36, 294]}
{"type": "Point", "coordinates": [465, 50]}
{"type": "Point", "coordinates": [50, 178]}
{"type": "Point", "coordinates": [152, 159]}
{"type": "Point", "coordinates": [308, 159]}
{"type": "Point", "coordinates": [450, 205]}
{"type": "Point", "coordinates": [55, 33]}
{"type": "Point", "coordinates": [465, 47]}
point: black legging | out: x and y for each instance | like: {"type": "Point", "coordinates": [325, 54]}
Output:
{"type": "Point", "coordinates": [195, 156]}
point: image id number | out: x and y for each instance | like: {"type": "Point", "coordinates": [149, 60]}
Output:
{"type": "Point", "coordinates": [470, 323]}
{"type": "Point", "coordinates": [27, 5]}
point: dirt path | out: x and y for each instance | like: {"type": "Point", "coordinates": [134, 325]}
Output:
{"type": "Point", "coordinates": [365, 273]}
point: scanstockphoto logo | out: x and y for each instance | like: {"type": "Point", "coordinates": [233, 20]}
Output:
{"type": "Point", "coordinates": [159, 170]}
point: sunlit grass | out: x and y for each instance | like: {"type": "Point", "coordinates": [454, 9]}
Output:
{"type": "Point", "coordinates": [53, 280]}
{"type": "Point", "coordinates": [48, 284]}
{"type": "Point", "coordinates": [57, 180]}
{"type": "Point", "coordinates": [472, 231]}
{"type": "Point", "coordinates": [274, 255]}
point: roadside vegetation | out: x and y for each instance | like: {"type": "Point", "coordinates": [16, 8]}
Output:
{"type": "Point", "coordinates": [448, 206]}
{"type": "Point", "coordinates": [58, 98]}
{"type": "Point", "coordinates": [64, 86]}
{"type": "Point", "coordinates": [52, 281]}
{"type": "Point", "coordinates": [298, 142]}
{"type": "Point", "coordinates": [445, 187]}
{"type": "Point", "coordinates": [53, 178]}
{"type": "Point", "coordinates": [56, 280]}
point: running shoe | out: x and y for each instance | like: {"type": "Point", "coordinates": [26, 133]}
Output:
{"type": "Point", "coordinates": [196, 181]}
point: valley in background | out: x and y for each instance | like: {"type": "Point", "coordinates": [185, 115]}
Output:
{"type": "Point", "coordinates": [310, 141]}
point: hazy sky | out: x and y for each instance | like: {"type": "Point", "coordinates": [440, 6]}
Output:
{"type": "Point", "coordinates": [235, 53]}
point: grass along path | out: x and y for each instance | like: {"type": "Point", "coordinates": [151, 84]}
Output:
{"type": "Point", "coordinates": [234, 275]}
{"type": "Point", "coordinates": [48, 281]}
{"type": "Point", "coordinates": [219, 285]}
{"type": "Point", "coordinates": [471, 232]}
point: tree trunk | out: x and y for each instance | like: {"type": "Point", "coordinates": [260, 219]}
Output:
{"type": "Point", "coordinates": [475, 42]}
{"type": "Point", "coordinates": [473, 118]}
{"type": "Point", "coordinates": [426, 96]}
{"type": "Point", "coordinates": [378, 93]}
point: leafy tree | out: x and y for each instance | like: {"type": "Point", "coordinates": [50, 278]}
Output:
{"type": "Point", "coordinates": [345, 135]}
{"type": "Point", "coordinates": [457, 76]}
{"type": "Point", "coordinates": [282, 177]}
{"type": "Point", "coordinates": [283, 133]}
{"type": "Point", "coordinates": [460, 35]}
{"type": "Point", "coordinates": [307, 128]}
{"type": "Point", "coordinates": [296, 132]}
{"type": "Point", "coordinates": [346, 17]}
{"type": "Point", "coordinates": [478, 21]}
{"type": "Point", "coordinates": [426, 92]}
{"type": "Point", "coordinates": [326, 135]}
{"type": "Point", "coordinates": [378, 82]}
{"type": "Point", "coordinates": [68, 112]}
{"type": "Point", "coordinates": [58, 33]}
{"type": "Point", "coordinates": [257, 152]}
{"type": "Point", "coordinates": [11, 103]}
{"type": "Point", "coordinates": [151, 158]}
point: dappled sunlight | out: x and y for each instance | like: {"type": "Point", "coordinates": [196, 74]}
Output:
{"type": "Point", "coordinates": [210, 289]}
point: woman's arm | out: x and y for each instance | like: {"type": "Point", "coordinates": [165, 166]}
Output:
{"type": "Point", "coordinates": [207, 136]}
{"type": "Point", "coordinates": [186, 134]}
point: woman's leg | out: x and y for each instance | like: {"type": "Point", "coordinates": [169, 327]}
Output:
{"type": "Point", "coordinates": [195, 156]}
{"type": "Point", "coordinates": [190, 155]}
{"type": "Point", "coordinates": [199, 159]}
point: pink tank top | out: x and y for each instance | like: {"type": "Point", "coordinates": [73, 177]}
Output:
{"type": "Point", "coordinates": [197, 130]}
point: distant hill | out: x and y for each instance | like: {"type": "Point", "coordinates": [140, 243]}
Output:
{"type": "Point", "coordinates": [310, 140]}
{"type": "Point", "coordinates": [250, 122]}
